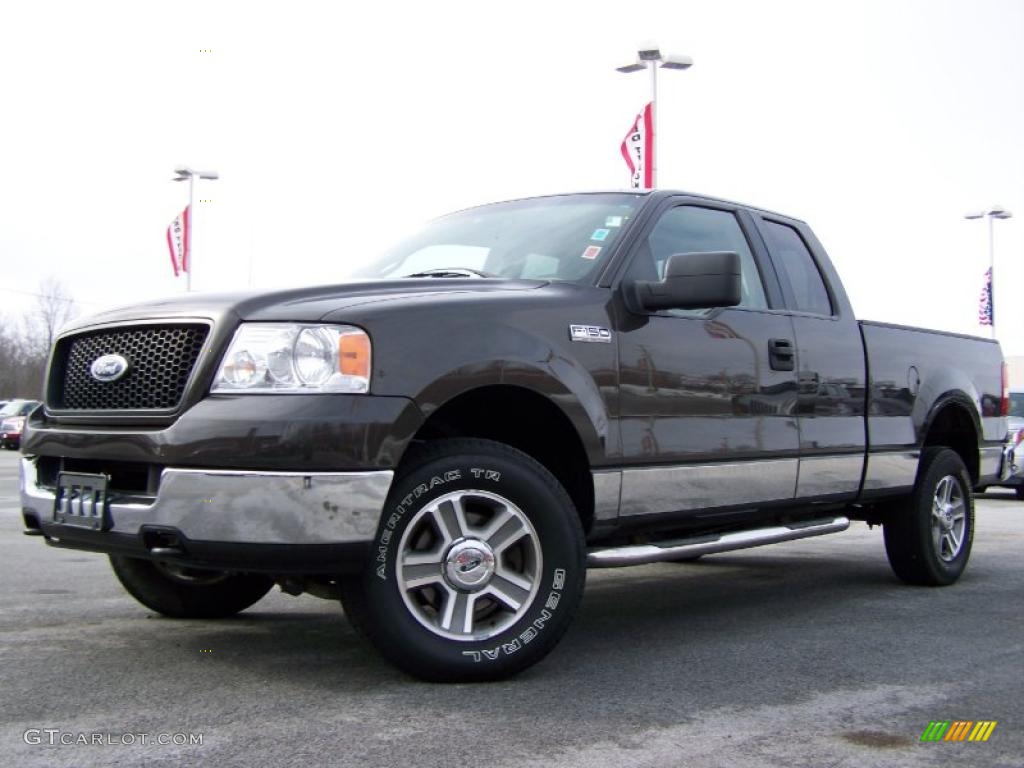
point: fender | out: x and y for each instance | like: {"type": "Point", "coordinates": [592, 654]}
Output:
{"type": "Point", "coordinates": [559, 380]}
{"type": "Point", "coordinates": [433, 351]}
{"type": "Point", "coordinates": [943, 388]}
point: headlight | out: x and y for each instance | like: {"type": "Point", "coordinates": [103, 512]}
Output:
{"type": "Point", "coordinates": [292, 357]}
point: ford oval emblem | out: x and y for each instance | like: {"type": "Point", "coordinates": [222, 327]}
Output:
{"type": "Point", "coordinates": [108, 368]}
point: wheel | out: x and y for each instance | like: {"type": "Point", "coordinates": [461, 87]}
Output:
{"type": "Point", "coordinates": [189, 593]}
{"type": "Point", "coordinates": [479, 567]}
{"type": "Point", "coordinates": [1019, 491]}
{"type": "Point", "coordinates": [929, 542]}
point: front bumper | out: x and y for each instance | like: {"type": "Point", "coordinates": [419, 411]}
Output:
{"type": "Point", "coordinates": [271, 521]}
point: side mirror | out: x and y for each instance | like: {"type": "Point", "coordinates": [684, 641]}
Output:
{"type": "Point", "coordinates": [692, 281]}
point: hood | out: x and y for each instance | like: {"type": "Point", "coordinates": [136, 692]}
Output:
{"type": "Point", "coordinates": [304, 305]}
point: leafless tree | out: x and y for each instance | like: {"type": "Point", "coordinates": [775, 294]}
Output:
{"type": "Point", "coordinates": [54, 308]}
{"type": "Point", "coordinates": [25, 342]}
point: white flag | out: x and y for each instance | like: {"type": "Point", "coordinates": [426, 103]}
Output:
{"type": "Point", "coordinates": [638, 150]}
{"type": "Point", "coordinates": [178, 241]}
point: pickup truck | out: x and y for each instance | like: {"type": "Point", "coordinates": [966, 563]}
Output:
{"type": "Point", "coordinates": [515, 394]}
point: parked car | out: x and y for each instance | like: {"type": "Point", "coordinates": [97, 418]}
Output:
{"type": "Point", "coordinates": [12, 420]}
{"type": "Point", "coordinates": [1012, 475]}
{"type": "Point", "coordinates": [516, 393]}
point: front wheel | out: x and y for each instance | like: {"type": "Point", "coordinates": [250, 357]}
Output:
{"type": "Point", "coordinates": [479, 564]}
{"type": "Point", "coordinates": [188, 593]}
{"type": "Point", "coordinates": [929, 542]}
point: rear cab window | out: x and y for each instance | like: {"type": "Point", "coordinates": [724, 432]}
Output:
{"type": "Point", "coordinates": [797, 269]}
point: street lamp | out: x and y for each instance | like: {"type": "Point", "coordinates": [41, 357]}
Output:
{"type": "Point", "coordinates": [184, 172]}
{"type": "Point", "coordinates": [993, 213]}
{"type": "Point", "coordinates": [650, 57]}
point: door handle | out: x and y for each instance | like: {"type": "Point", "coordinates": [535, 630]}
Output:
{"type": "Point", "coordinates": [781, 355]}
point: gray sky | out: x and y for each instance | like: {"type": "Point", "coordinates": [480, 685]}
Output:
{"type": "Point", "coordinates": [335, 127]}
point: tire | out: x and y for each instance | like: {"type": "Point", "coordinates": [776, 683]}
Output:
{"type": "Point", "coordinates": [1019, 491]}
{"type": "Point", "coordinates": [189, 593]}
{"type": "Point", "coordinates": [929, 541]}
{"type": "Point", "coordinates": [477, 596]}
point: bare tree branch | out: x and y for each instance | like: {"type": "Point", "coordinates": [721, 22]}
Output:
{"type": "Point", "coordinates": [25, 343]}
{"type": "Point", "coordinates": [55, 308]}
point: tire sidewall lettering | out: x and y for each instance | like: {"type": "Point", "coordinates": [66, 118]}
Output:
{"type": "Point", "coordinates": [467, 476]}
{"type": "Point", "coordinates": [399, 512]}
{"type": "Point", "coordinates": [531, 631]}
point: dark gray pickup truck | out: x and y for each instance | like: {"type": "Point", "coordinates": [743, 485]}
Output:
{"type": "Point", "coordinates": [516, 393]}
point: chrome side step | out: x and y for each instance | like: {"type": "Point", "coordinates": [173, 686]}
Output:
{"type": "Point", "coordinates": [682, 549]}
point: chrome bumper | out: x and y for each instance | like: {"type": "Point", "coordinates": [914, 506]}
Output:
{"type": "Point", "coordinates": [243, 507]}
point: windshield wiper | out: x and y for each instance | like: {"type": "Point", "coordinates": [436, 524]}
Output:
{"type": "Point", "coordinates": [451, 272]}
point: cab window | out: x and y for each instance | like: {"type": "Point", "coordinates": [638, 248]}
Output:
{"type": "Point", "coordinates": [691, 229]}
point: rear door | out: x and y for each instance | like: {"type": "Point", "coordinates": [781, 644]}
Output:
{"type": "Point", "coordinates": [830, 363]}
{"type": "Point", "coordinates": [707, 408]}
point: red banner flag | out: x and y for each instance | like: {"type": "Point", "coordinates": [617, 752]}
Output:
{"type": "Point", "coordinates": [638, 150]}
{"type": "Point", "coordinates": [178, 241]}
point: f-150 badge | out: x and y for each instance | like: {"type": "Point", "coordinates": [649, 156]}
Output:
{"type": "Point", "coordinates": [590, 333]}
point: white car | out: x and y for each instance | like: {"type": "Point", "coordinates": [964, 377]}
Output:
{"type": "Point", "coordinates": [1012, 475]}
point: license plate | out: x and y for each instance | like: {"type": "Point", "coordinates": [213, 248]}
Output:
{"type": "Point", "coordinates": [82, 501]}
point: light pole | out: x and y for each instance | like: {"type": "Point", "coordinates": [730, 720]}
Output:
{"type": "Point", "coordinates": [649, 57]}
{"type": "Point", "coordinates": [993, 213]}
{"type": "Point", "coordinates": [184, 172]}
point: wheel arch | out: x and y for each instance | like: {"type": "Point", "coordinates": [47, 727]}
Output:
{"type": "Point", "coordinates": [525, 419]}
{"type": "Point", "coordinates": [953, 422]}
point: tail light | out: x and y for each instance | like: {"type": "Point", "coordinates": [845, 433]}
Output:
{"type": "Point", "coordinates": [1004, 405]}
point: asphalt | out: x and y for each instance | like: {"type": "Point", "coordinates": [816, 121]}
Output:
{"type": "Point", "coordinates": [808, 653]}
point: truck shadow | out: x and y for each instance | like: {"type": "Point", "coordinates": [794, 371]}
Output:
{"type": "Point", "coordinates": [651, 646]}
{"type": "Point", "coordinates": [632, 623]}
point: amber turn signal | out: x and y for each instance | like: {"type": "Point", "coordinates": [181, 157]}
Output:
{"type": "Point", "coordinates": [354, 354]}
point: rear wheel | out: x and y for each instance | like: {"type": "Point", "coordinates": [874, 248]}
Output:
{"type": "Point", "coordinates": [480, 564]}
{"type": "Point", "coordinates": [929, 542]}
{"type": "Point", "coordinates": [189, 593]}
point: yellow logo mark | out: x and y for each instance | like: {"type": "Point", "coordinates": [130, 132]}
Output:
{"type": "Point", "coordinates": [982, 730]}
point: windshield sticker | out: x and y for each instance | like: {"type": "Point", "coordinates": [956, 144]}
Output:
{"type": "Point", "coordinates": [599, 234]}
{"type": "Point", "coordinates": [591, 252]}
{"type": "Point", "coordinates": [613, 221]}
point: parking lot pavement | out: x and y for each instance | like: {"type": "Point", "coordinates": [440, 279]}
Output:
{"type": "Point", "coordinates": [808, 653]}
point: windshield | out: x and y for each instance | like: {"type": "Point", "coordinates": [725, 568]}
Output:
{"type": "Point", "coordinates": [1017, 404]}
{"type": "Point", "coordinates": [567, 237]}
{"type": "Point", "coordinates": [18, 408]}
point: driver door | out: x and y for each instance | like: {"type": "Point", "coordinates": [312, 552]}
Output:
{"type": "Point", "coordinates": [707, 398]}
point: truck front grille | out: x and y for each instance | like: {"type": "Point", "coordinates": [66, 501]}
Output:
{"type": "Point", "coordinates": [160, 361]}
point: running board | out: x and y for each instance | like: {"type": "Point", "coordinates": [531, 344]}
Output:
{"type": "Point", "coordinates": [683, 549]}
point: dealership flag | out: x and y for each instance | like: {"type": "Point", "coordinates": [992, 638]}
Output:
{"type": "Point", "coordinates": [986, 310]}
{"type": "Point", "coordinates": [178, 241]}
{"type": "Point", "coordinates": [638, 149]}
